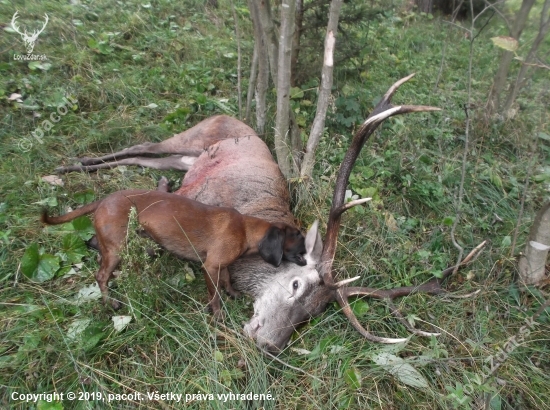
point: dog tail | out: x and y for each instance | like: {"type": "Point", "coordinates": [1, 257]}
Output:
{"type": "Point", "coordinates": [56, 220]}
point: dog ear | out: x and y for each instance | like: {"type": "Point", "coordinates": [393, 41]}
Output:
{"type": "Point", "coordinates": [271, 246]}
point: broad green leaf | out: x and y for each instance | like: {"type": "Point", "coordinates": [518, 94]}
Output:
{"type": "Point", "coordinates": [92, 335]}
{"type": "Point", "coordinates": [50, 202]}
{"type": "Point", "coordinates": [83, 227]}
{"type": "Point", "coordinates": [296, 93]}
{"type": "Point", "coordinates": [77, 327]}
{"type": "Point", "coordinates": [84, 197]}
{"type": "Point", "coordinates": [505, 42]}
{"type": "Point", "coordinates": [359, 307]}
{"type": "Point", "coordinates": [402, 370]}
{"type": "Point", "coordinates": [218, 356]}
{"type": "Point", "coordinates": [544, 136]}
{"type": "Point", "coordinates": [352, 376]}
{"type": "Point", "coordinates": [39, 267]}
{"type": "Point", "coordinates": [74, 248]}
{"type": "Point", "coordinates": [30, 260]}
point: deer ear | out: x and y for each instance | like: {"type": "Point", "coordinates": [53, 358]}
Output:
{"type": "Point", "coordinates": [314, 244]}
{"type": "Point", "coordinates": [271, 246]}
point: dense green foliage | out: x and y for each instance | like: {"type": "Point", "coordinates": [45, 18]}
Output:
{"type": "Point", "coordinates": [152, 69]}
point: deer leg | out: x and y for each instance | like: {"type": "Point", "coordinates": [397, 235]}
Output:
{"type": "Point", "coordinates": [175, 162]}
{"type": "Point", "coordinates": [163, 184]}
{"type": "Point", "coordinates": [147, 148]}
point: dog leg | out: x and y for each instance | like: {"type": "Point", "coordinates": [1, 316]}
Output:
{"type": "Point", "coordinates": [109, 262]}
{"type": "Point", "coordinates": [212, 277]}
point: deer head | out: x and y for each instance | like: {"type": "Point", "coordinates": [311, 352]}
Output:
{"type": "Point", "coordinates": [292, 296]}
{"type": "Point", "coordinates": [28, 39]}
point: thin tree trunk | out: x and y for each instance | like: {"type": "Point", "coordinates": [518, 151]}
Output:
{"type": "Point", "coordinates": [296, 40]}
{"type": "Point", "coordinates": [543, 30]}
{"type": "Point", "coordinates": [493, 103]}
{"type": "Point", "coordinates": [324, 91]}
{"type": "Point", "coordinates": [263, 67]}
{"type": "Point", "coordinates": [266, 22]}
{"type": "Point", "coordinates": [282, 140]}
{"type": "Point", "coordinates": [533, 261]}
{"type": "Point", "coordinates": [251, 83]}
{"type": "Point", "coordinates": [237, 37]}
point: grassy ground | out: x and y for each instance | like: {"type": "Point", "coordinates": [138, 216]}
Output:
{"type": "Point", "coordinates": [152, 69]}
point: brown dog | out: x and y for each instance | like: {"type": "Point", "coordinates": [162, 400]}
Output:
{"type": "Point", "coordinates": [215, 236]}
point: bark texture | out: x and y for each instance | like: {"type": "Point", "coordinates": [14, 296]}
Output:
{"type": "Point", "coordinates": [533, 261]}
{"type": "Point", "coordinates": [282, 121]}
{"type": "Point", "coordinates": [324, 90]}
{"type": "Point", "coordinates": [493, 103]}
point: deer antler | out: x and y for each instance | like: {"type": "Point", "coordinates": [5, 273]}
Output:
{"type": "Point", "coordinates": [383, 110]}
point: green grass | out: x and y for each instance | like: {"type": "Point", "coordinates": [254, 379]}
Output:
{"type": "Point", "coordinates": [181, 57]}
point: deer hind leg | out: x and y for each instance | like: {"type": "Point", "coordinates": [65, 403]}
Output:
{"type": "Point", "coordinates": [147, 148]}
{"type": "Point", "coordinates": [136, 151]}
{"type": "Point", "coordinates": [163, 185]}
{"type": "Point", "coordinates": [173, 162]}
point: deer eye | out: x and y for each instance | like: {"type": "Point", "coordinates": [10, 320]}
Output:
{"type": "Point", "coordinates": [295, 285]}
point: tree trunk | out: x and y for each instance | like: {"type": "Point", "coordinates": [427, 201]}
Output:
{"type": "Point", "coordinates": [282, 140]}
{"type": "Point", "coordinates": [520, 80]}
{"type": "Point", "coordinates": [251, 83]}
{"type": "Point", "coordinates": [493, 103]}
{"type": "Point", "coordinates": [532, 263]}
{"type": "Point", "coordinates": [296, 40]}
{"type": "Point", "coordinates": [263, 67]}
{"type": "Point", "coordinates": [324, 91]}
{"type": "Point", "coordinates": [266, 23]}
{"type": "Point", "coordinates": [238, 39]}
{"type": "Point", "coordinates": [424, 6]}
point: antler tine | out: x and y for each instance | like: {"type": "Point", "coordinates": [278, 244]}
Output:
{"type": "Point", "coordinates": [346, 308]}
{"type": "Point", "coordinates": [395, 86]}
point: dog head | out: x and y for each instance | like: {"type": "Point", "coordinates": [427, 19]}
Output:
{"type": "Point", "coordinates": [283, 241]}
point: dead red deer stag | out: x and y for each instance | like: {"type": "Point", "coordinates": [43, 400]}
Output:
{"type": "Point", "coordinates": [229, 165]}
